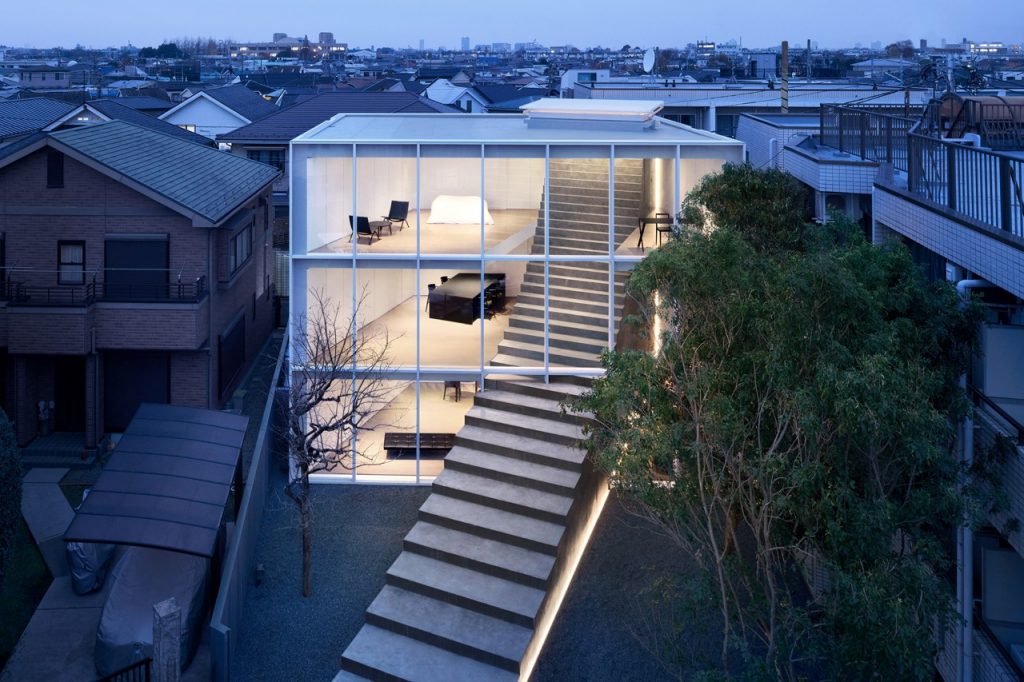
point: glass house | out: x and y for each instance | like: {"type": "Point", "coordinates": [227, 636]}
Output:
{"type": "Point", "coordinates": [480, 246]}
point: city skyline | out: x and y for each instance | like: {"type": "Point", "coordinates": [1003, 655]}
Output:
{"type": "Point", "coordinates": [445, 22]}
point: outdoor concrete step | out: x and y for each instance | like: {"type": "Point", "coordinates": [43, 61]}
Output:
{"type": "Point", "coordinates": [490, 492]}
{"type": "Point", "coordinates": [594, 202]}
{"type": "Point", "coordinates": [553, 430]}
{"type": "Point", "coordinates": [491, 523]}
{"type": "Point", "coordinates": [512, 470]}
{"type": "Point", "coordinates": [536, 311]}
{"type": "Point", "coordinates": [568, 289]}
{"type": "Point", "coordinates": [346, 676]}
{"type": "Point", "coordinates": [560, 186]}
{"type": "Point", "coordinates": [514, 362]}
{"type": "Point", "coordinates": [494, 557]}
{"type": "Point", "coordinates": [480, 592]}
{"type": "Point", "coordinates": [537, 406]}
{"type": "Point", "coordinates": [554, 389]}
{"type": "Point", "coordinates": [539, 450]}
{"type": "Point", "coordinates": [380, 654]}
{"type": "Point", "coordinates": [557, 356]}
{"type": "Point", "coordinates": [561, 341]}
{"type": "Point", "coordinates": [438, 623]}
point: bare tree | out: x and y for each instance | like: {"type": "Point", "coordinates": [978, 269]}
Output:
{"type": "Point", "coordinates": [338, 383]}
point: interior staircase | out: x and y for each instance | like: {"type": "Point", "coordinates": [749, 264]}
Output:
{"type": "Point", "coordinates": [484, 569]}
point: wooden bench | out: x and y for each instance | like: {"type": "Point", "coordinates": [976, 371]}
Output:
{"type": "Point", "coordinates": [432, 445]}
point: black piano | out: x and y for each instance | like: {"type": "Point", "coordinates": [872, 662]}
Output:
{"type": "Point", "coordinates": [458, 299]}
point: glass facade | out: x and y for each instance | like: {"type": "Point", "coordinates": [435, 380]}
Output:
{"type": "Point", "coordinates": [502, 259]}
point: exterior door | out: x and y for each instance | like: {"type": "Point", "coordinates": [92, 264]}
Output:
{"type": "Point", "coordinates": [69, 393]}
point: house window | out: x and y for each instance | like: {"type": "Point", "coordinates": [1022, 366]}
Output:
{"type": "Point", "coordinates": [54, 169]}
{"type": "Point", "coordinates": [271, 157]}
{"type": "Point", "coordinates": [240, 248]}
{"type": "Point", "coordinates": [191, 127]}
{"type": "Point", "coordinates": [71, 262]}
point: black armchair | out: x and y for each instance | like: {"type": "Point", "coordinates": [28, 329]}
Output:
{"type": "Point", "coordinates": [399, 213]}
{"type": "Point", "coordinates": [363, 227]}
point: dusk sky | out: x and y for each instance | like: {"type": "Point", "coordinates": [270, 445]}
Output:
{"type": "Point", "coordinates": [401, 23]}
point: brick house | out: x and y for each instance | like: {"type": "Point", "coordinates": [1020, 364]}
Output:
{"type": "Point", "coordinates": [133, 267]}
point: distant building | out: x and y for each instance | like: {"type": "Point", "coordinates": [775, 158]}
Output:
{"type": "Point", "coordinates": [465, 43]}
{"type": "Point", "coordinates": [44, 77]}
{"type": "Point", "coordinates": [279, 37]}
{"type": "Point", "coordinates": [326, 38]}
{"type": "Point", "coordinates": [501, 47]}
{"type": "Point", "coordinates": [421, 45]}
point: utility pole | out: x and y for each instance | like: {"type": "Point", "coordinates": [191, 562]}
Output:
{"type": "Point", "coordinates": [785, 76]}
{"type": "Point", "coordinates": [808, 60]}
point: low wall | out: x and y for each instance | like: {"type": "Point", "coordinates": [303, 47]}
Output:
{"type": "Point", "coordinates": [236, 575]}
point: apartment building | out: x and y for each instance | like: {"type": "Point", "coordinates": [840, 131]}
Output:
{"type": "Point", "coordinates": [947, 180]}
{"type": "Point", "coordinates": [499, 291]}
{"type": "Point", "coordinates": [133, 268]}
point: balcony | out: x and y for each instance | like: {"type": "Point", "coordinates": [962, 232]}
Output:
{"type": "Point", "coordinates": [869, 133]}
{"type": "Point", "coordinates": [35, 318]}
{"type": "Point", "coordinates": [21, 294]}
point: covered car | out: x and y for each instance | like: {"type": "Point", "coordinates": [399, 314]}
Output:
{"type": "Point", "coordinates": [142, 578]}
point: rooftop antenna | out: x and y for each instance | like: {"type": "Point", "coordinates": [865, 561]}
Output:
{"type": "Point", "coordinates": [649, 57]}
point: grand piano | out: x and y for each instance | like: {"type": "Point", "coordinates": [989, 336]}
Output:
{"type": "Point", "coordinates": [458, 299]}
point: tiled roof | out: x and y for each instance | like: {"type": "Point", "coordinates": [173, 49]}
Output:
{"type": "Point", "coordinates": [145, 102]}
{"type": "Point", "coordinates": [23, 116]}
{"type": "Point", "coordinates": [243, 101]}
{"type": "Point", "coordinates": [297, 119]}
{"type": "Point", "coordinates": [203, 180]}
{"type": "Point", "coordinates": [113, 109]}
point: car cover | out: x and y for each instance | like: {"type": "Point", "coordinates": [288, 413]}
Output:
{"type": "Point", "coordinates": [141, 579]}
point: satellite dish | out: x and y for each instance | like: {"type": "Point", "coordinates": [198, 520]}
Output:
{"type": "Point", "coordinates": [649, 60]}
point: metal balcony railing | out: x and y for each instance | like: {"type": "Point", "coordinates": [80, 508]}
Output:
{"type": "Point", "coordinates": [20, 293]}
{"type": "Point", "coordinates": [984, 185]}
{"type": "Point", "coordinates": [998, 121]}
{"type": "Point", "coordinates": [873, 133]}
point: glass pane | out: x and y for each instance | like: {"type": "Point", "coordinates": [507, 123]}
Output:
{"type": "Point", "coordinates": [385, 192]}
{"type": "Point", "coordinates": [325, 180]}
{"type": "Point", "coordinates": [450, 326]}
{"type": "Point", "coordinates": [514, 323]}
{"type": "Point", "coordinates": [578, 307]}
{"type": "Point", "coordinates": [578, 203]}
{"type": "Point", "coordinates": [451, 209]}
{"type": "Point", "coordinates": [71, 253]}
{"type": "Point", "coordinates": [514, 190]}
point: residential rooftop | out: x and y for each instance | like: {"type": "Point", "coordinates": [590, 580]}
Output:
{"type": "Point", "coordinates": [498, 129]}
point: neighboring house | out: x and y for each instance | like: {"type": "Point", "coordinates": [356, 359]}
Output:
{"type": "Point", "coordinates": [947, 183]}
{"type": "Point", "coordinates": [267, 140]}
{"type": "Point", "coordinates": [455, 74]}
{"type": "Point", "coordinates": [21, 117]}
{"type": "Point", "coordinates": [135, 270]}
{"type": "Point", "coordinates": [585, 76]}
{"type": "Point", "coordinates": [461, 97]}
{"type": "Point", "coordinates": [508, 99]}
{"type": "Point", "coordinates": [44, 77]}
{"type": "Point", "coordinates": [766, 135]}
{"type": "Point", "coordinates": [217, 111]}
{"type": "Point", "coordinates": [103, 110]}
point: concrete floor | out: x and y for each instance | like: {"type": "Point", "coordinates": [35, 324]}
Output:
{"type": "Point", "coordinates": [440, 237]}
{"type": "Point", "coordinates": [444, 343]}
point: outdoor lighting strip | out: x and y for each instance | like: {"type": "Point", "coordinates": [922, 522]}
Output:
{"type": "Point", "coordinates": [558, 591]}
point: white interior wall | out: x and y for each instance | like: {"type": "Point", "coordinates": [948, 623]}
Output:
{"type": "Point", "coordinates": [328, 200]}
{"type": "Point", "coordinates": [382, 180]}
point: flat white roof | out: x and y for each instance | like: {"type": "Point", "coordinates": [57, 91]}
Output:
{"type": "Point", "coordinates": [497, 129]}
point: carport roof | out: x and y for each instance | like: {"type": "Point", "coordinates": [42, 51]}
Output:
{"type": "Point", "coordinates": [166, 483]}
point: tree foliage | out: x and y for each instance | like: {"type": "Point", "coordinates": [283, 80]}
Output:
{"type": "Point", "coordinates": [793, 431]}
{"type": "Point", "coordinates": [10, 492]}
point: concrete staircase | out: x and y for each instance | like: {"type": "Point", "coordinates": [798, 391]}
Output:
{"type": "Point", "coordinates": [578, 300]}
{"type": "Point", "coordinates": [484, 569]}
